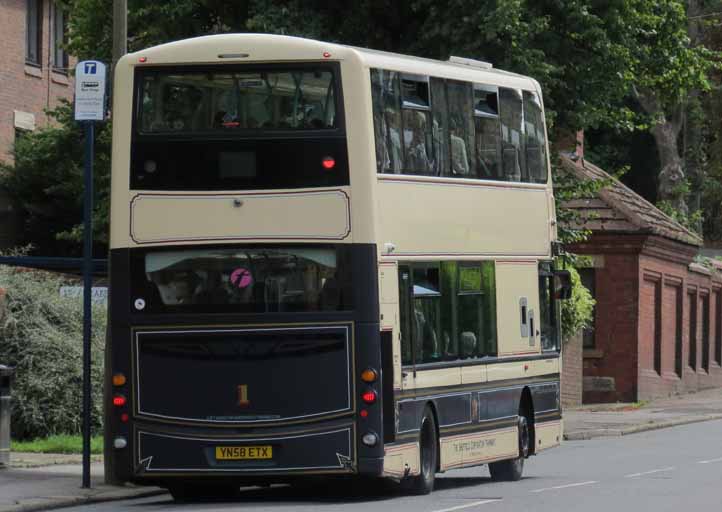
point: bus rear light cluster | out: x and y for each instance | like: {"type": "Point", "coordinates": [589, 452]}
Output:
{"type": "Point", "coordinates": [370, 439]}
{"type": "Point", "coordinates": [328, 162]}
{"type": "Point", "coordinates": [369, 396]}
{"type": "Point", "coordinates": [369, 375]}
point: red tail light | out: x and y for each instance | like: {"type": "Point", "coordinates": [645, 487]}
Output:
{"type": "Point", "coordinates": [328, 162]}
{"type": "Point", "coordinates": [124, 417]}
{"type": "Point", "coordinates": [369, 397]}
{"type": "Point", "coordinates": [119, 400]}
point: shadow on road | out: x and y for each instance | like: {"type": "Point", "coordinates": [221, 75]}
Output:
{"type": "Point", "coordinates": [333, 492]}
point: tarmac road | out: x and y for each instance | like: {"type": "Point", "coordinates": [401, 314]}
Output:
{"type": "Point", "coordinates": [664, 470]}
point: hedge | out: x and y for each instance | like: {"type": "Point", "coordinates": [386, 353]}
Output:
{"type": "Point", "coordinates": [41, 336]}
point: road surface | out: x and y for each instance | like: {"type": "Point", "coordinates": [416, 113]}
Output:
{"type": "Point", "coordinates": [677, 469]}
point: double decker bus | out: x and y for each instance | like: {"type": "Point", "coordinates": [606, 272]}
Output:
{"type": "Point", "coordinates": [327, 260]}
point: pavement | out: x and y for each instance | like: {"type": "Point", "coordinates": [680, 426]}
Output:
{"type": "Point", "coordinates": [48, 481]}
{"type": "Point", "coordinates": [602, 420]}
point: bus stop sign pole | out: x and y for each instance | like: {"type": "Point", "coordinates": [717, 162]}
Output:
{"type": "Point", "coordinates": [89, 108]}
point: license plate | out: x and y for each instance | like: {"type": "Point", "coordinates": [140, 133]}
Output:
{"type": "Point", "coordinates": [243, 452]}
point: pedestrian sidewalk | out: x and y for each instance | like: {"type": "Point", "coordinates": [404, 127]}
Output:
{"type": "Point", "coordinates": [47, 481]}
{"type": "Point", "coordinates": [600, 420]}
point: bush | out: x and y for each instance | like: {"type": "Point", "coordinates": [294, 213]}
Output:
{"type": "Point", "coordinates": [578, 310]}
{"type": "Point", "coordinates": [41, 335]}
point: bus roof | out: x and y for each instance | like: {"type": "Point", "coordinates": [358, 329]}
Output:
{"type": "Point", "coordinates": [237, 48]}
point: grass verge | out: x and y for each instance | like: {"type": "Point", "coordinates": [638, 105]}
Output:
{"type": "Point", "coordinates": [58, 444]}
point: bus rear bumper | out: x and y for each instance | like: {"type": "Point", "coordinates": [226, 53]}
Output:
{"type": "Point", "coordinates": [371, 466]}
{"type": "Point", "coordinates": [299, 452]}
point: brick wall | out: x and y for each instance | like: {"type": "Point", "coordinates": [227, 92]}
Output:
{"type": "Point", "coordinates": [610, 369]}
{"type": "Point", "coordinates": [650, 319]}
{"type": "Point", "coordinates": [679, 374]}
{"type": "Point", "coordinates": [572, 371]}
{"type": "Point", "coordinates": [23, 87]}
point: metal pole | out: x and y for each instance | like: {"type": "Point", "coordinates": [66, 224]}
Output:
{"type": "Point", "coordinates": [87, 294]}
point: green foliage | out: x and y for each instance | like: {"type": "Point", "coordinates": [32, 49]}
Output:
{"type": "Point", "coordinates": [691, 221]}
{"type": "Point", "coordinates": [577, 311]}
{"type": "Point", "coordinates": [41, 335]}
{"type": "Point", "coordinates": [58, 444]}
{"type": "Point", "coordinates": [46, 184]}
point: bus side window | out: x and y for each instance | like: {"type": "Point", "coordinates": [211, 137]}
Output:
{"type": "Point", "coordinates": [426, 313]}
{"type": "Point", "coordinates": [488, 132]}
{"type": "Point", "coordinates": [440, 129]}
{"type": "Point", "coordinates": [535, 140]}
{"type": "Point", "coordinates": [461, 129]}
{"type": "Point", "coordinates": [386, 101]}
{"type": "Point", "coordinates": [547, 308]}
{"type": "Point", "coordinates": [404, 320]}
{"type": "Point", "coordinates": [418, 132]}
{"type": "Point", "coordinates": [513, 161]}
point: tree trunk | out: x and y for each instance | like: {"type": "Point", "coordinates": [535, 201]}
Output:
{"type": "Point", "coordinates": [671, 174]}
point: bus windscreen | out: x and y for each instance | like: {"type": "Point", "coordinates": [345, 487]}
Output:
{"type": "Point", "coordinates": [215, 100]}
{"type": "Point", "coordinates": [238, 127]}
{"type": "Point", "coordinates": [244, 279]}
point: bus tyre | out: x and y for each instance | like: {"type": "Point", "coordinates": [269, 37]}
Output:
{"type": "Point", "coordinates": [511, 470]}
{"type": "Point", "coordinates": [423, 483]}
{"type": "Point", "coordinates": [187, 492]}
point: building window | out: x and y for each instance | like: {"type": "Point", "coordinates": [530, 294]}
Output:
{"type": "Point", "coordinates": [718, 329]}
{"type": "Point", "coordinates": [678, 343]}
{"type": "Point", "coordinates": [34, 32]}
{"type": "Point", "coordinates": [692, 329]}
{"type": "Point", "coordinates": [60, 28]}
{"type": "Point", "coordinates": [658, 327]}
{"type": "Point", "coordinates": [705, 333]}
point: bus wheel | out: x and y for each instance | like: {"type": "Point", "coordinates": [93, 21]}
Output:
{"type": "Point", "coordinates": [187, 492]}
{"type": "Point", "coordinates": [511, 470]}
{"type": "Point", "coordinates": [423, 483]}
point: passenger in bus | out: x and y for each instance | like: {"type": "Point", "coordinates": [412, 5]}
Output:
{"type": "Point", "coordinates": [426, 341]}
{"type": "Point", "coordinates": [418, 152]}
{"type": "Point", "coordinates": [468, 344]}
{"type": "Point", "coordinates": [510, 162]}
{"type": "Point", "coordinates": [459, 155]}
{"type": "Point", "coordinates": [393, 157]}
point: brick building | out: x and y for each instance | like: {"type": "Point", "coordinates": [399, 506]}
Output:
{"type": "Point", "coordinates": [33, 76]}
{"type": "Point", "coordinates": [658, 318]}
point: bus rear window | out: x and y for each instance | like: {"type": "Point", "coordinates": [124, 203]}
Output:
{"type": "Point", "coordinates": [219, 100]}
{"type": "Point", "coordinates": [245, 279]}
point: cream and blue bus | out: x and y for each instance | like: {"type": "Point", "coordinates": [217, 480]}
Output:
{"type": "Point", "coordinates": [327, 260]}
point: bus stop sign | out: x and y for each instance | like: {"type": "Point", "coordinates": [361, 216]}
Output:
{"type": "Point", "coordinates": [90, 91]}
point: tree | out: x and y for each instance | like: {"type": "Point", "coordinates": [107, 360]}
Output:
{"type": "Point", "coordinates": [46, 183]}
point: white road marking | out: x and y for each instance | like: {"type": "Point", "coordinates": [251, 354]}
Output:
{"type": "Point", "coordinates": [709, 461]}
{"type": "Point", "coordinates": [467, 505]}
{"type": "Point", "coordinates": [566, 486]}
{"type": "Point", "coordinates": [634, 475]}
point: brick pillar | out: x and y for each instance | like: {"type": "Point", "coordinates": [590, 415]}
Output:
{"type": "Point", "coordinates": [572, 368]}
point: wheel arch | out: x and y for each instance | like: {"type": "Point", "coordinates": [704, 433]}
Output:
{"type": "Point", "coordinates": [432, 407]}
{"type": "Point", "coordinates": [526, 409]}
